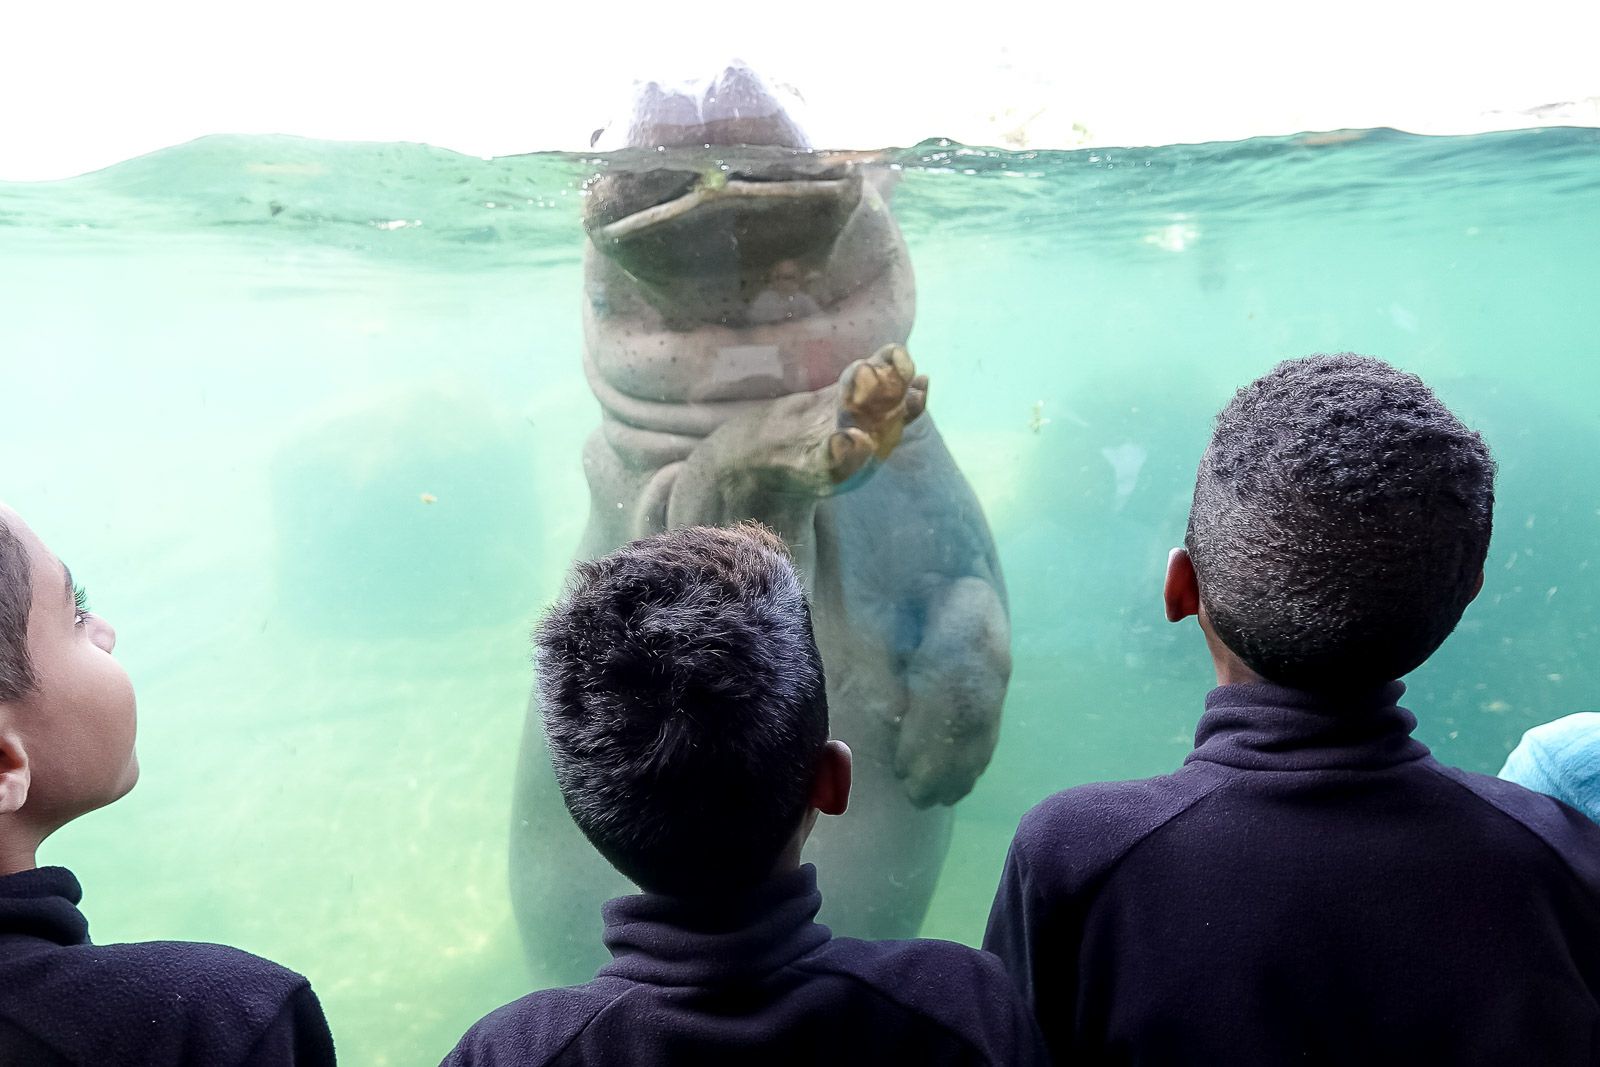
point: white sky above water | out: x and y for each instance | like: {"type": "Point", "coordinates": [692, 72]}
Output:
{"type": "Point", "coordinates": [85, 84]}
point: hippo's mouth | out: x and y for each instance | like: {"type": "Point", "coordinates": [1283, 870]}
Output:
{"type": "Point", "coordinates": [728, 220]}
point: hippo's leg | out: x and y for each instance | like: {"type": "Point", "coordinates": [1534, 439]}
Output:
{"type": "Point", "coordinates": [915, 616]}
{"type": "Point", "coordinates": [879, 864]}
{"type": "Point", "coordinates": [774, 465]}
{"type": "Point", "coordinates": [910, 647]}
{"type": "Point", "coordinates": [956, 682]}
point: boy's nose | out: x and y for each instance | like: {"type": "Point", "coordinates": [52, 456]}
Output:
{"type": "Point", "coordinates": [102, 633]}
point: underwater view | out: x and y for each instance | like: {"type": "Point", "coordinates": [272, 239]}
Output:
{"type": "Point", "coordinates": [308, 420]}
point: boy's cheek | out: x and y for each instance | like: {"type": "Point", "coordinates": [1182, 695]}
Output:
{"type": "Point", "coordinates": [123, 721]}
{"type": "Point", "coordinates": [130, 777]}
{"type": "Point", "coordinates": [100, 712]}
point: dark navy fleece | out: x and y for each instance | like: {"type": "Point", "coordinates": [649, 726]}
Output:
{"type": "Point", "coordinates": [759, 982]}
{"type": "Point", "coordinates": [64, 1001]}
{"type": "Point", "coordinates": [1311, 887]}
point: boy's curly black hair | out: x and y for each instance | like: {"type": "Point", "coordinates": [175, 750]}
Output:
{"type": "Point", "coordinates": [1340, 522]}
{"type": "Point", "coordinates": [16, 599]}
{"type": "Point", "coordinates": [684, 706]}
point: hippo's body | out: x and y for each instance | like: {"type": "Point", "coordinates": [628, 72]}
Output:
{"type": "Point", "coordinates": [731, 309]}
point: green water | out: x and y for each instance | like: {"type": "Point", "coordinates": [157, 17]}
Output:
{"type": "Point", "coordinates": [232, 371]}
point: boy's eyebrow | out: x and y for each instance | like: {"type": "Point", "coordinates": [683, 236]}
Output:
{"type": "Point", "coordinates": [66, 573]}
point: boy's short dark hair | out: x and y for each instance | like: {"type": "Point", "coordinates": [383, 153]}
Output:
{"type": "Point", "coordinates": [684, 705]}
{"type": "Point", "coordinates": [16, 600]}
{"type": "Point", "coordinates": [1340, 522]}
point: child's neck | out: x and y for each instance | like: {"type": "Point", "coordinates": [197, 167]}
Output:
{"type": "Point", "coordinates": [18, 849]}
{"type": "Point", "coordinates": [789, 858]}
{"type": "Point", "coordinates": [1231, 670]}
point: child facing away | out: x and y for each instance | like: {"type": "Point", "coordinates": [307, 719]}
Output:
{"type": "Point", "coordinates": [1311, 886]}
{"type": "Point", "coordinates": [67, 748]}
{"type": "Point", "coordinates": [686, 716]}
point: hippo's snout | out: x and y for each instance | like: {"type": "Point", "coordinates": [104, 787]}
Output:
{"type": "Point", "coordinates": [665, 227]}
{"type": "Point", "coordinates": [712, 198]}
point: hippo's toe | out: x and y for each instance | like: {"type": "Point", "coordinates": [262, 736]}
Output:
{"type": "Point", "coordinates": [879, 395]}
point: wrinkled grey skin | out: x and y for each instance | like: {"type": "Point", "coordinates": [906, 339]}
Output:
{"type": "Point", "coordinates": [716, 408]}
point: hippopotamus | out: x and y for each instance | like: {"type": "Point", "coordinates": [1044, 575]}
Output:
{"type": "Point", "coordinates": [747, 303]}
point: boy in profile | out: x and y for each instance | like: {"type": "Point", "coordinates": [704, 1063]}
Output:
{"type": "Point", "coordinates": [67, 748]}
{"type": "Point", "coordinates": [686, 716]}
{"type": "Point", "coordinates": [1312, 886]}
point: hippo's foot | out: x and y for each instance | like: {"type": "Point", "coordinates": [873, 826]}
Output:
{"type": "Point", "coordinates": [775, 463]}
{"type": "Point", "coordinates": [877, 398]}
{"type": "Point", "coordinates": [955, 683]}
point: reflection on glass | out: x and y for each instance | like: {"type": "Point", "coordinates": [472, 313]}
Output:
{"type": "Point", "coordinates": [784, 299]}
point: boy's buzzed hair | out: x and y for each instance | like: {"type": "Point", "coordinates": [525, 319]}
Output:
{"type": "Point", "coordinates": [16, 600]}
{"type": "Point", "coordinates": [1340, 522]}
{"type": "Point", "coordinates": [684, 705]}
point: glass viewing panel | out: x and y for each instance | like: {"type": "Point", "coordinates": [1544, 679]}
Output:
{"type": "Point", "coordinates": [321, 427]}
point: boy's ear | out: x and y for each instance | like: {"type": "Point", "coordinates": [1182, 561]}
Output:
{"type": "Point", "coordinates": [1182, 589]}
{"type": "Point", "coordinates": [830, 788]}
{"type": "Point", "coordinates": [15, 773]}
{"type": "Point", "coordinates": [1477, 587]}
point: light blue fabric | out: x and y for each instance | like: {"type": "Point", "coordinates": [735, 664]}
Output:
{"type": "Point", "coordinates": [1561, 759]}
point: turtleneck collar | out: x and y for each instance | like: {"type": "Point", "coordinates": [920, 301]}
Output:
{"type": "Point", "coordinates": [690, 942]}
{"type": "Point", "coordinates": [1266, 727]}
{"type": "Point", "coordinates": [43, 903]}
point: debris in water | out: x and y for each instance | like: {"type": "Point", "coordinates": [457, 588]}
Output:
{"type": "Point", "coordinates": [1037, 420]}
